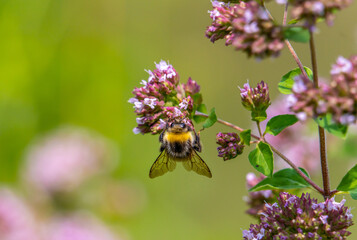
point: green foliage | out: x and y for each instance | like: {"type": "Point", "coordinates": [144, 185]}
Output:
{"type": "Point", "coordinates": [293, 21]}
{"type": "Point", "coordinates": [286, 178]}
{"type": "Point", "coordinates": [329, 125]}
{"type": "Point", "coordinates": [353, 194]}
{"type": "Point", "coordinates": [261, 158]}
{"type": "Point", "coordinates": [211, 120]}
{"type": "Point", "coordinates": [297, 34]}
{"type": "Point", "coordinates": [203, 109]}
{"type": "Point", "coordinates": [245, 137]}
{"type": "Point", "coordinates": [349, 182]}
{"type": "Point", "coordinates": [259, 116]}
{"type": "Point", "coordinates": [279, 123]}
{"type": "Point", "coordinates": [197, 98]}
{"type": "Point", "coordinates": [287, 81]}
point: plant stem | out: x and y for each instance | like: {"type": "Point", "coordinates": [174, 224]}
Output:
{"type": "Point", "coordinates": [285, 13]}
{"type": "Point", "coordinates": [290, 47]}
{"type": "Point", "coordinates": [323, 155]}
{"type": "Point", "coordinates": [313, 184]}
{"type": "Point", "coordinates": [297, 60]}
{"type": "Point", "coordinates": [259, 130]}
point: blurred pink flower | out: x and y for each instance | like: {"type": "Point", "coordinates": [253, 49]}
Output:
{"type": "Point", "coordinates": [257, 200]}
{"type": "Point", "coordinates": [16, 219]}
{"type": "Point", "coordinates": [64, 159]}
{"type": "Point", "coordinates": [295, 141]}
{"type": "Point", "coordinates": [78, 227]}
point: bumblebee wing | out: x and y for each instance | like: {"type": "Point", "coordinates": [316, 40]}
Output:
{"type": "Point", "coordinates": [196, 164]}
{"type": "Point", "coordinates": [162, 165]}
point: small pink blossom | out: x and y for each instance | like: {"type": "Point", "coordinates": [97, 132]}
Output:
{"type": "Point", "coordinates": [342, 65]}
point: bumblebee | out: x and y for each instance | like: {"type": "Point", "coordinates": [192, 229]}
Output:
{"type": "Point", "coordinates": [179, 143]}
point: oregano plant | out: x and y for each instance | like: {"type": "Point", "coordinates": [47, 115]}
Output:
{"type": "Point", "coordinates": [279, 197]}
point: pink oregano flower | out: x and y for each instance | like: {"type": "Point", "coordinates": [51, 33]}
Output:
{"type": "Point", "coordinates": [247, 27]}
{"type": "Point", "coordinates": [163, 98]}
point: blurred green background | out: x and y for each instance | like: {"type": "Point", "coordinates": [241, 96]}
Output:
{"type": "Point", "coordinates": [75, 62]}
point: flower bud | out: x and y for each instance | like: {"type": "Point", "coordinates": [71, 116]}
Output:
{"type": "Point", "coordinates": [191, 87]}
{"type": "Point", "coordinates": [230, 146]}
{"type": "Point", "coordinates": [256, 100]}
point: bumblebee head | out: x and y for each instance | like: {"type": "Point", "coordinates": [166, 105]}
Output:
{"type": "Point", "coordinates": [177, 127]}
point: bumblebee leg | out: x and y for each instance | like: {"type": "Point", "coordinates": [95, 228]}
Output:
{"type": "Point", "coordinates": [162, 147]}
{"type": "Point", "coordinates": [161, 138]}
{"type": "Point", "coordinates": [197, 144]}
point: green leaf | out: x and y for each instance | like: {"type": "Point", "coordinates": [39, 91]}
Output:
{"type": "Point", "coordinates": [259, 116]}
{"type": "Point", "coordinates": [279, 123]}
{"type": "Point", "coordinates": [197, 98]}
{"type": "Point", "coordinates": [354, 194]}
{"type": "Point", "coordinates": [201, 108]}
{"type": "Point", "coordinates": [327, 123]}
{"type": "Point", "coordinates": [212, 119]}
{"type": "Point", "coordinates": [349, 181]}
{"type": "Point", "coordinates": [297, 34]}
{"type": "Point", "coordinates": [261, 158]}
{"type": "Point", "coordinates": [245, 137]}
{"type": "Point", "coordinates": [287, 81]}
{"type": "Point", "coordinates": [293, 21]}
{"type": "Point", "coordinates": [286, 178]}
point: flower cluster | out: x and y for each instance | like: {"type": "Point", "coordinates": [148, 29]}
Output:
{"type": "Point", "coordinates": [247, 27]}
{"type": "Point", "coordinates": [256, 100]}
{"type": "Point", "coordinates": [230, 146]}
{"type": "Point", "coordinates": [56, 168]}
{"type": "Point", "coordinates": [295, 217]}
{"type": "Point", "coordinates": [339, 98]}
{"type": "Point", "coordinates": [162, 98]}
{"type": "Point", "coordinates": [18, 221]}
{"type": "Point", "coordinates": [257, 200]}
{"type": "Point", "coordinates": [312, 10]}
{"type": "Point", "coordinates": [70, 156]}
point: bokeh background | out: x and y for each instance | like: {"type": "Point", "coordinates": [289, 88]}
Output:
{"type": "Point", "coordinates": [67, 69]}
